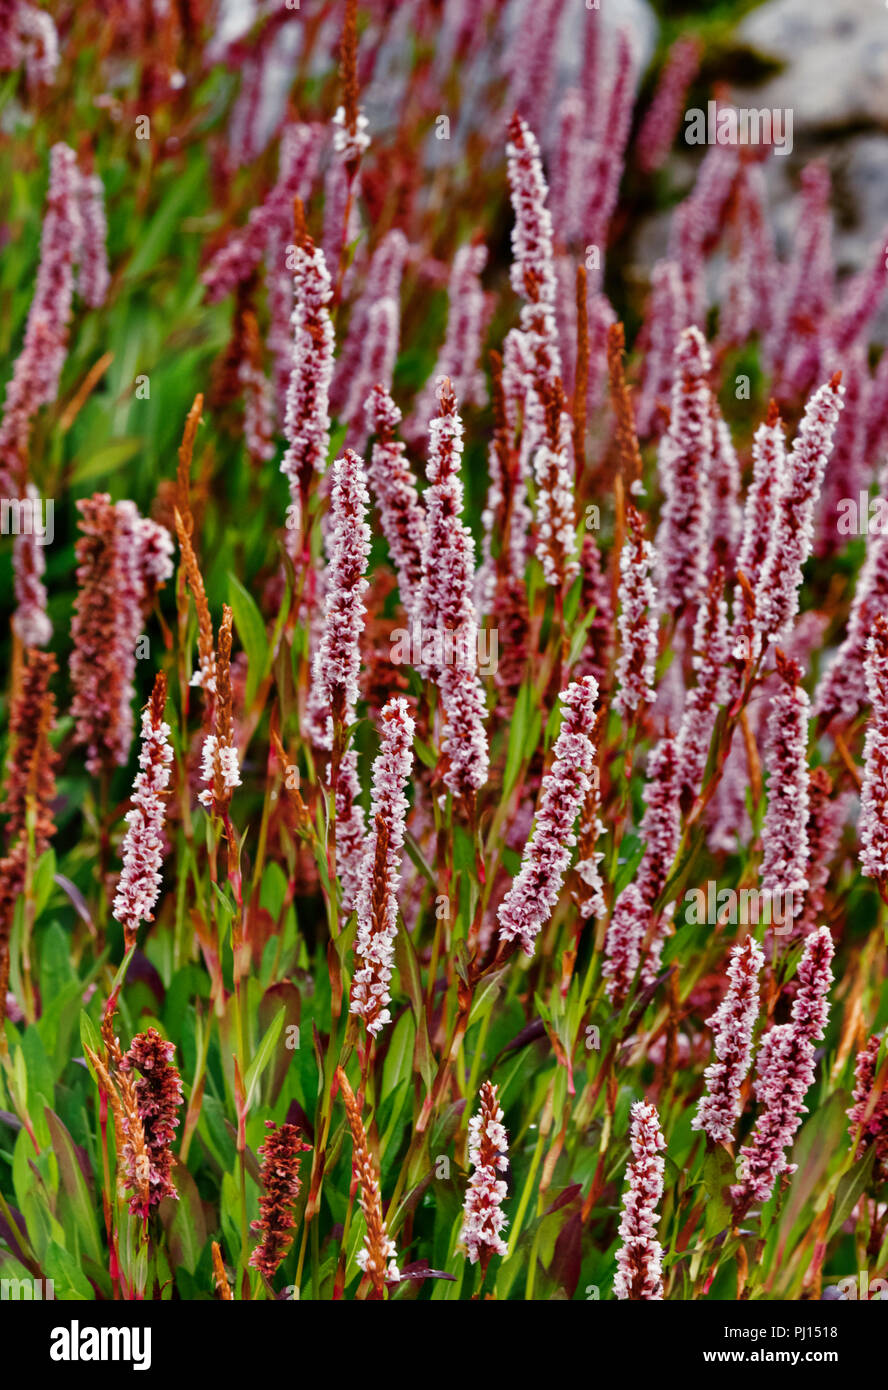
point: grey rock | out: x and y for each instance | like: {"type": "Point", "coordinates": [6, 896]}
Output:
{"type": "Point", "coordinates": [836, 57]}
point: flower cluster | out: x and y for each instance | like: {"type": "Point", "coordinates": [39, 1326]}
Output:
{"type": "Point", "coordinates": [633, 911]}
{"type": "Point", "coordinates": [30, 622]}
{"type": "Point", "coordinates": [733, 1024]}
{"type": "Point", "coordinates": [307, 419]}
{"type": "Point", "coordinates": [484, 1218]}
{"type": "Point", "coordinates": [158, 1095]}
{"type": "Point", "coordinates": [446, 603]}
{"type": "Point", "coordinates": [142, 853]}
{"type": "Point", "coordinates": [337, 660]}
{"type": "Point", "coordinates": [38, 369]}
{"type": "Point", "coordinates": [279, 1177]}
{"type": "Point", "coordinates": [785, 835]}
{"type": "Point", "coordinates": [792, 529]}
{"type": "Point", "coordinates": [529, 902]}
{"type": "Point", "coordinates": [869, 1113]}
{"type": "Point", "coordinates": [842, 689]}
{"type": "Point", "coordinates": [784, 1072]}
{"type": "Point", "coordinates": [702, 702]}
{"type": "Point", "coordinates": [381, 873]}
{"type": "Point", "coordinates": [661, 122]}
{"type": "Point", "coordinates": [685, 464]}
{"type": "Point", "coordinates": [873, 829]}
{"type": "Point", "coordinates": [639, 1258]}
{"type": "Point", "coordinates": [350, 142]}
{"type": "Point", "coordinates": [122, 559]}
{"type": "Point", "coordinates": [461, 349]}
{"type": "Point", "coordinates": [400, 511]}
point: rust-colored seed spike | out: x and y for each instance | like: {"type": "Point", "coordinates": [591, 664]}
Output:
{"type": "Point", "coordinates": [223, 676]}
{"type": "Point", "coordinates": [223, 1288]}
{"type": "Point", "coordinates": [627, 439]}
{"type": "Point", "coordinates": [349, 64]}
{"type": "Point", "coordinates": [378, 1249]}
{"type": "Point", "coordinates": [292, 795]}
{"type": "Point", "coordinates": [186, 453]}
{"type": "Point", "coordinates": [159, 697]}
{"type": "Point", "coordinates": [196, 585]}
{"type": "Point", "coordinates": [300, 231]}
{"type": "Point", "coordinates": [773, 414]}
{"type": "Point", "coordinates": [251, 338]}
{"type": "Point", "coordinates": [447, 398]}
{"type": "Point", "coordinates": [788, 670]}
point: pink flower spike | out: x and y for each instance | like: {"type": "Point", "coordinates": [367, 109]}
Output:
{"type": "Point", "coordinates": [869, 1113]}
{"type": "Point", "coordinates": [532, 271]}
{"type": "Point", "coordinates": [842, 689]}
{"type": "Point", "coordinates": [446, 608]}
{"type": "Point", "coordinates": [685, 464]}
{"type": "Point", "coordinates": [792, 534]}
{"type": "Point", "coordinates": [637, 622]}
{"type": "Point", "coordinates": [785, 833]}
{"type": "Point", "coordinates": [461, 349]}
{"type": "Point", "coordinates": [660, 125]}
{"type": "Point", "coordinates": [639, 1258]}
{"type": "Point", "coordinates": [726, 519]}
{"type": "Point", "coordinates": [377, 903]}
{"type": "Point", "coordinates": [607, 154]}
{"type": "Point", "coordinates": [142, 853]}
{"type": "Point", "coordinates": [849, 470]}
{"type": "Point", "coordinates": [529, 902]}
{"type": "Point", "coordinates": [702, 702]}
{"type": "Point", "coordinates": [661, 832]}
{"type": "Point", "coordinates": [666, 317]}
{"type": "Point", "coordinates": [94, 279]}
{"type": "Point", "coordinates": [400, 510]}
{"type": "Point", "coordinates": [733, 1024]}
{"type": "Point", "coordinates": [792, 345]}
{"type": "Point", "coordinates": [784, 1073]}
{"type": "Point", "coordinates": [307, 420]}
{"type": "Point", "coordinates": [352, 380]}
{"type": "Point", "coordinates": [483, 1219]}
{"type": "Point", "coordinates": [553, 467]}
{"type": "Point", "coordinates": [873, 826]}
{"type": "Point", "coordinates": [759, 514]}
{"type": "Point", "coordinates": [30, 622]}
{"type": "Point", "coordinates": [337, 661]}
{"type": "Point", "coordinates": [38, 369]}
{"type": "Point", "coordinates": [376, 368]}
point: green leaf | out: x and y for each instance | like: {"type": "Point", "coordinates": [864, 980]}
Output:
{"type": "Point", "coordinates": [105, 460]}
{"type": "Point", "coordinates": [69, 1281]}
{"type": "Point", "coordinates": [89, 1035]}
{"type": "Point", "coordinates": [718, 1174]}
{"type": "Point", "coordinates": [153, 242]}
{"type": "Point", "coordinates": [184, 1221]}
{"type": "Point", "coordinates": [411, 982]}
{"type": "Point", "coordinates": [43, 881]}
{"type": "Point", "coordinates": [251, 630]}
{"type": "Point", "coordinates": [75, 1195]}
{"type": "Point", "coordinates": [263, 1056]}
{"type": "Point", "coordinates": [517, 732]}
{"type": "Point", "coordinates": [850, 1190]}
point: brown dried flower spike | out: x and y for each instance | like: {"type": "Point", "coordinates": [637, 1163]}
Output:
{"type": "Point", "coordinates": [280, 1188]}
